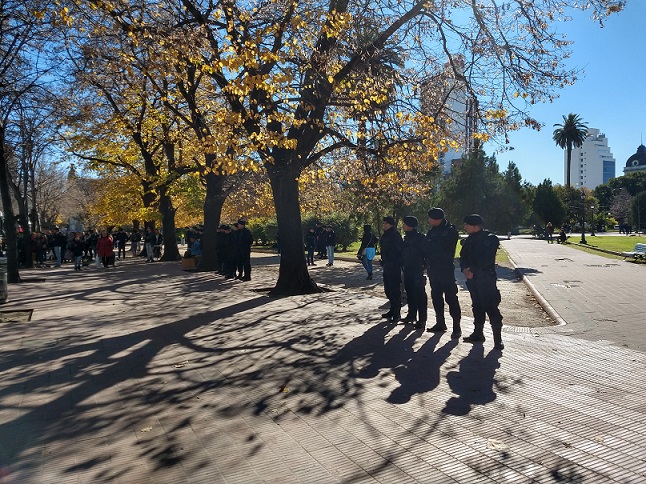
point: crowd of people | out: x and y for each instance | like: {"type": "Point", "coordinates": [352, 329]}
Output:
{"type": "Point", "coordinates": [411, 259]}
{"type": "Point", "coordinates": [320, 240]}
{"type": "Point", "coordinates": [57, 246]}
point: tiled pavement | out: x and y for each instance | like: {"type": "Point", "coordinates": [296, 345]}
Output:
{"type": "Point", "coordinates": [150, 374]}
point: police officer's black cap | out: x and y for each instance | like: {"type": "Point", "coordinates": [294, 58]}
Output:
{"type": "Point", "coordinates": [226, 227]}
{"type": "Point", "coordinates": [436, 213]}
{"type": "Point", "coordinates": [410, 221]}
{"type": "Point", "coordinates": [473, 219]}
{"type": "Point", "coordinates": [223, 226]}
{"type": "Point", "coordinates": [242, 221]}
{"type": "Point", "coordinates": [390, 220]}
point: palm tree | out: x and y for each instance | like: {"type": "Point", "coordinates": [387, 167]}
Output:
{"type": "Point", "coordinates": [570, 134]}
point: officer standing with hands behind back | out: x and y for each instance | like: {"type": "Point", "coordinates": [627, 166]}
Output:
{"type": "Point", "coordinates": [391, 261]}
{"type": "Point", "coordinates": [478, 264]}
{"type": "Point", "coordinates": [440, 243]}
{"type": "Point", "coordinates": [414, 281]}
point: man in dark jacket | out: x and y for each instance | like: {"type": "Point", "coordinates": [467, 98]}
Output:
{"type": "Point", "coordinates": [58, 243]}
{"type": "Point", "coordinates": [391, 261]}
{"type": "Point", "coordinates": [121, 236]}
{"type": "Point", "coordinates": [414, 281]}
{"type": "Point", "coordinates": [478, 264]}
{"type": "Point", "coordinates": [245, 240]}
{"type": "Point", "coordinates": [440, 243]}
{"type": "Point", "coordinates": [330, 243]}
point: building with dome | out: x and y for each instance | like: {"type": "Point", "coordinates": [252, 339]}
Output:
{"type": "Point", "coordinates": [636, 162]}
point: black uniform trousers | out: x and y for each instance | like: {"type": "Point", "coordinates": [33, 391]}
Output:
{"type": "Point", "coordinates": [415, 285]}
{"type": "Point", "coordinates": [392, 288]}
{"type": "Point", "coordinates": [444, 288]}
{"type": "Point", "coordinates": [485, 298]}
{"type": "Point", "coordinates": [244, 265]}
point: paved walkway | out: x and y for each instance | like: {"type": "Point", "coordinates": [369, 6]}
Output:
{"type": "Point", "coordinates": [598, 298]}
{"type": "Point", "coordinates": [147, 374]}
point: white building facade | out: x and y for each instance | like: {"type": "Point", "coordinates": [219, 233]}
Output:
{"type": "Point", "coordinates": [592, 163]}
{"type": "Point", "coordinates": [447, 100]}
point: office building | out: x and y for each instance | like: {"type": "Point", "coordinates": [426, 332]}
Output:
{"type": "Point", "coordinates": [592, 163]}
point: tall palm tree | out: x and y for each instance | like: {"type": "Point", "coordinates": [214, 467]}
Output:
{"type": "Point", "coordinates": [570, 134]}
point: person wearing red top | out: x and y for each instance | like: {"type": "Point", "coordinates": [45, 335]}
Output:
{"type": "Point", "coordinates": [105, 248]}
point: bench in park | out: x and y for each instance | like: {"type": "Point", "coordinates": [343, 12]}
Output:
{"type": "Point", "coordinates": [639, 252]}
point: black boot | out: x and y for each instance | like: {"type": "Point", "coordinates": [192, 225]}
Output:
{"type": "Point", "coordinates": [475, 337]}
{"type": "Point", "coordinates": [387, 315]}
{"type": "Point", "coordinates": [497, 339]}
{"type": "Point", "coordinates": [457, 331]}
{"type": "Point", "coordinates": [438, 328]}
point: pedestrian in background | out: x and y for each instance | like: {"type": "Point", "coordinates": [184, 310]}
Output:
{"type": "Point", "coordinates": [478, 264]}
{"type": "Point", "coordinates": [330, 243]}
{"type": "Point", "coordinates": [105, 249]}
{"type": "Point", "coordinates": [367, 249]}
{"type": "Point", "coordinates": [245, 240]}
{"type": "Point", "coordinates": [150, 241]}
{"type": "Point", "coordinates": [76, 247]}
{"type": "Point", "coordinates": [549, 232]}
{"type": "Point", "coordinates": [310, 245]}
{"type": "Point", "coordinates": [440, 243]}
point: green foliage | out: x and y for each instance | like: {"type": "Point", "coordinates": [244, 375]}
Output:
{"type": "Point", "coordinates": [477, 186]}
{"type": "Point", "coordinates": [607, 193]}
{"type": "Point", "coordinates": [570, 134]}
{"type": "Point", "coordinates": [547, 205]}
{"type": "Point", "coordinates": [258, 232]}
{"type": "Point", "coordinates": [639, 210]}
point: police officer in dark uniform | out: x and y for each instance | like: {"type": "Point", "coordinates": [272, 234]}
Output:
{"type": "Point", "coordinates": [414, 263]}
{"type": "Point", "coordinates": [391, 261]}
{"type": "Point", "coordinates": [478, 264]}
{"type": "Point", "coordinates": [440, 244]}
{"type": "Point", "coordinates": [245, 240]}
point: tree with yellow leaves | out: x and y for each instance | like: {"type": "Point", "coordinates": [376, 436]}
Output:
{"type": "Point", "coordinates": [278, 69]}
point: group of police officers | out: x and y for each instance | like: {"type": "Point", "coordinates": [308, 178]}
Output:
{"type": "Point", "coordinates": [233, 249]}
{"type": "Point", "coordinates": [416, 254]}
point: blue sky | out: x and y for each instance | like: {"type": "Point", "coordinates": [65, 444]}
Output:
{"type": "Point", "coordinates": [610, 96]}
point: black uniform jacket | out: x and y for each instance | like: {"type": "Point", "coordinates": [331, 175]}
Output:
{"type": "Point", "coordinates": [391, 248]}
{"type": "Point", "coordinates": [439, 247]}
{"type": "Point", "coordinates": [413, 253]}
{"type": "Point", "coordinates": [479, 252]}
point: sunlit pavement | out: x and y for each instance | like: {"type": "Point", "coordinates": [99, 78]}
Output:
{"type": "Point", "coordinates": [146, 373]}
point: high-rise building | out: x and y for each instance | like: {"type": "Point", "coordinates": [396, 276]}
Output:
{"type": "Point", "coordinates": [445, 97]}
{"type": "Point", "coordinates": [592, 164]}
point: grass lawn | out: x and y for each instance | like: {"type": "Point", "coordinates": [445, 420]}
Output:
{"type": "Point", "coordinates": [615, 243]}
{"type": "Point", "coordinates": [624, 243]}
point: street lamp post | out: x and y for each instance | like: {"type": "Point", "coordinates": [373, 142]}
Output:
{"type": "Point", "coordinates": [583, 241]}
{"type": "Point", "coordinates": [592, 234]}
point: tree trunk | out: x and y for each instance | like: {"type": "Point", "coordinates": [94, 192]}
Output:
{"type": "Point", "coordinates": [213, 203]}
{"type": "Point", "coordinates": [171, 251]}
{"type": "Point", "coordinates": [569, 164]}
{"type": "Point", "coordinates": [293, 277]}
{"type": "Point", "coordinates": [11, 236]}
